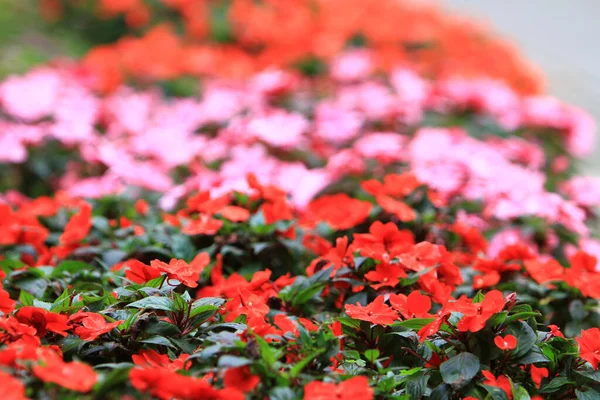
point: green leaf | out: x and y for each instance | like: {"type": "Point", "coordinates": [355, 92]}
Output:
{"type": "Point", "coordinates": [26, 299]}
{"type": "Point", "coordinates": [299, 366]}
{"type": "Point", "coordinates": [283, 393]}
{"type": "Point", "coordinates": [159, 340]}
{"type": "Point", "coordinates": [589, 394]}
{"type": "Point", "coordinates": [266, 352]}
{"type": "Point", "coordinates": [522, 315]}
{"type": "Point", "coordinates": [371, 355]}
{"type": "Point", "coordinates": [593, 375]}
{"type": "Point", "coordinates": [69, 267]}
{"type": "Point", "coordinates": [458, 371]}
{"type": "Point", "coordinates": [227, 361]}
{"type": "Point", "coordinates": [556, 384]}
{"type": "Point", "coordinates": [519, 392]}
{"type": "Point", "coordinates": [414, 323]}
{"type": "Point", "coordinates": [535, 355]}
{"type": "Point", "coordinates": [442, 392]}
{"type": "Point", "coordinates": [417, 384]}
{"type": "Point", "coordinates": [526, 338]}
{"type": "Point", "coordinates": [154, 303]}
{"type": "Point", "coordinates": [206, 304]}
{"type": "Point", "coordinates": [495, 392]}
{"type": "Point", "coordinates": [182, 247]}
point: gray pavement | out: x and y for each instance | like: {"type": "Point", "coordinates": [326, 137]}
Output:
{"type": "Point", "coordinates": [561, 36]}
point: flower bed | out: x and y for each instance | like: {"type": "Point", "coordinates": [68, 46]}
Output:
{"type": "Point", "coordinates": [236, 38]}
{"type": "Point", "coordinates": [348, 234]}
{"type": "Point", "coordinates": [358, 235]}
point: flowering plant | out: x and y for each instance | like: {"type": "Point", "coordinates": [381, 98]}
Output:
{"type": "Point", "coordinates": [235, 38]}
{"type": "Point", "coordinates": [367, 230]}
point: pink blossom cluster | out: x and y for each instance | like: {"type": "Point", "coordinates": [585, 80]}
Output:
{"type": "Point", "coordinates": [302, 135]}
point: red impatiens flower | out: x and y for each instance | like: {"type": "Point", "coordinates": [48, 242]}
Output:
{"type": "Point", "coordinates": [386, 274]}
{"type": "Point", "coordinates": [204, 225]}
{"type": "Point", "coordinates": [589, 346]}
{"type": "Point", "coordinates": [78, 226]}
{"type": "Point", "coordinates": [11, 388]}
{"type": "Point", "coordinates": [179, 270]}
{"type": "Point", "coordinates": [431, 328]}
{"type": "Point", "coordinates": [138, 272]}
{"type": "Point", "coordinates": [375, 312]}
{"type": "Point", "coordinates": [43, 321]}
{"type": "Point", "coordinates": [356, 388]}
{"type": "Point", "coordinates": [89, 325]}
{"type": "Point", "coordinates": [7, 305]}
{"type": "Point", "coordinates": [555, 331]}
{"type": "Point", "coordinates": [383, 239]}
{"type": "Point", "coordinates": [415, 305]}
{"type": "Point", "coordinates": [241, 378]}
{"type": "Point", "coordinates": [545, 271]}
{"type": "Point", "coordinates": [151, 358]}
{"type": "Point", "coordinates": [537, 374]}
{"type": "Point", "coordinates": [340, 211]}
{"type": "Point", "coordinates": [508, 342]}
{"type": "Point", "coordinates": [141, 206]}
{"type": "Point", "coordinates": [74, 375]}
{"type": "Point", "coordinates": [475, 315]}
{"type": "Point", "coordinates": [398, 208]}
{"type": "Point", "coordinates": [235, 214]}
{"type": "Point", "coordinates": [166, 385]}
{"type": "Point", "coordinates": [501, 382]}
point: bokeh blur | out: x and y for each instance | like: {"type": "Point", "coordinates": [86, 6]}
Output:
{"type": "Point", "coordinates": [555, 35]}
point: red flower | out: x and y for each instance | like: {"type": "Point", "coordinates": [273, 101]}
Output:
{"type": "Point", "coordinates": [78, 226]}
{"type": "Point", "coordinates": [431, 328]}
{"type": "Point", "coordinates": [88, 325]}
{"type": "Point", "coordinates": [415, 305]}
{"type": "Point", "coordinates": [401, 210]}
{"type": "Point", "coordinates": [537, 374]}
{"type": "Point", "coordinates": [43, 321]}
{"type": "Point", "coordinates": [179, 270]}
{"type": "Point", "coordinates": [241, 378]}
{"type": "Point", "coordinates": [235, 214]}
{"type": "Point", "coordinates": [340, 211]}
{"type": "Point", "coordinates": [151, 358]}
{"type": "Point", "coordinates": [386, 274]}
{"type": "Point", "coordinates": [383, 239]}
{"type": "Point", "coordinates": [542, 272]}
{"type": "Point", "coordinates": [204, 225]}
{"type": "Point", "coordinates": [555, 331]}
{"type": "Point", "coordinates": [141, 206]}
{"type": "Point", "coordinates": [278, 210]}
{"type": "Point", "coordinates": [138, 272]}
{"type": "Point", "coordinates": [167, 385]}
{"type": "Point", "coordinates": [508, 342]}
{"type": "Point", "coordinates": [7, 305]}
{"type": "Point", "coordinates": [589, 346]}
{"type": "Point", "coordinates": [375, 312]}
{"type": "Point", "coordinates": [74, 375]}
{"type": "Point", "coordinates": [247, 303]}
{"type": "Point", "coordinates": [11, 388]}
{"type": "Point", "coordinates": [501, 382]}
{"type": "Point", "coordinates": [475, 315]}
{"type": "Point", "coordinates": [356, 388]}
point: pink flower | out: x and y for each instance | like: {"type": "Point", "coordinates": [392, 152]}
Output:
{"type": "Point", "coordinates": [352, 66]}
{"type": "Point", "coordinates": [279, 128]}
{"type": "Point", "coordinates": [383, 146]}
{"type": "Point", "coordinates": [16, 94]}
{"type": "Point", "coordinates": [336, 124]}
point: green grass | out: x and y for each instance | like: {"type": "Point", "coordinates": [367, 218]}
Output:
{"type": "Point", "coordinates": [26, 40]}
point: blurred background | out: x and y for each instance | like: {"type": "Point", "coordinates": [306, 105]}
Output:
{"type": "Point", "coordinates": [559, 36]}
